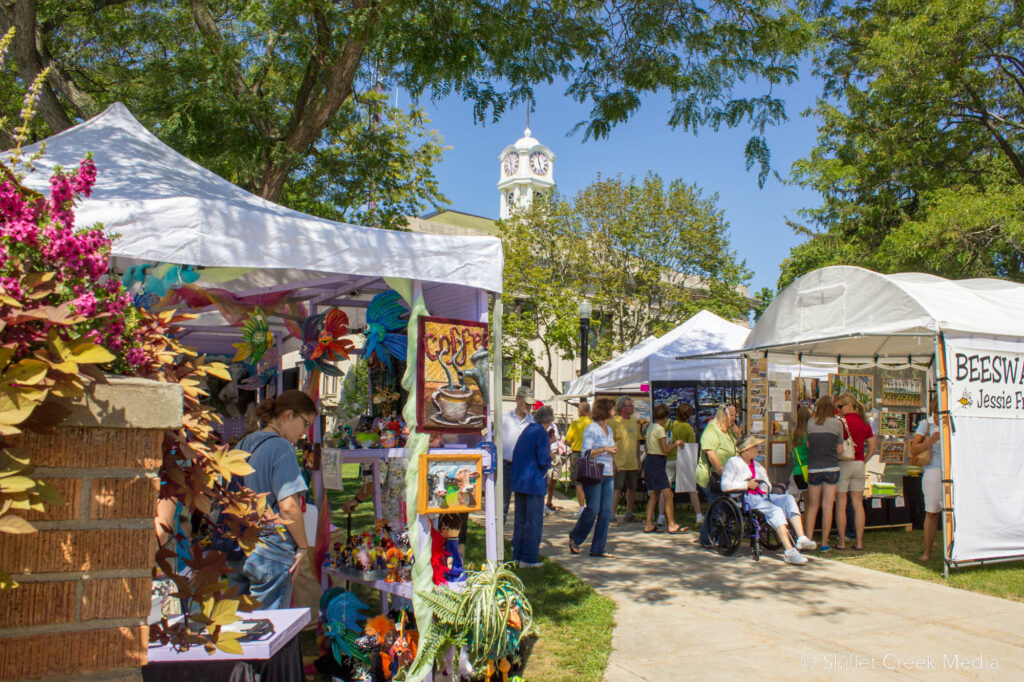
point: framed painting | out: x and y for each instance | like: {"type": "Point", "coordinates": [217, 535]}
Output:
{"type": "Point", "coordinates": [452, 372]}
{"type": "Point", "coordinates": [893, 424]}
{"type": "Point", "coordinates": [450, 482]}
{"type": "Point", "coordinates": [778, 453]}
{"type": "Point", "coordinates": [860, 385]}
{"type": "Point", "coordinates": [900, 392]}
{"type": "Point", "coordinates": [893, 452]}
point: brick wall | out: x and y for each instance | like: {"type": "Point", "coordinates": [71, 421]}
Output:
{"type": "Point", "coordinates": [85, 577]}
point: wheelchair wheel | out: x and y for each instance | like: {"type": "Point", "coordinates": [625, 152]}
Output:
{"type": "Point", "coordinates": [725, 526]}
{"type": "Point", "coordinates": [770, 539]}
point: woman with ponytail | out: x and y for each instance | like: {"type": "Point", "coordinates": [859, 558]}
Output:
{"type": "Point", "coordinates": [278, 423]}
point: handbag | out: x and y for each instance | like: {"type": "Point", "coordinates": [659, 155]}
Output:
{"type": "Point", "coordinates": [588, 472]}
{"type": "Point", "coordinates": [714, 478]}
{"type": "Point", "coordinates": [849, 452]}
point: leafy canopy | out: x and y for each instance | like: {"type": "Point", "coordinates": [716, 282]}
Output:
{"type": "Point", "coordinates": [648, 255]}
{"type": "Point", "coordinates": [285, 97]}
{"type": "Point", "coordinates": [921, 136]}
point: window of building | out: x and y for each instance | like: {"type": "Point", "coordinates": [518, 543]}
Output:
{"type": "Point", "coordinates": [507, 382]}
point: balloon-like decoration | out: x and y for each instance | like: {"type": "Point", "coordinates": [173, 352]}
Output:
{"type": "Point", "coordinates": [322, 341]}
{"type": "Point", "coordinates": [384, 317]}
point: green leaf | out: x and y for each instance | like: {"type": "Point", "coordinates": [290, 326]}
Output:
{"type": "Point", "coordinates": [16, 484]}
{"type": "Point", "coordinates": [15, 525]}
{"type": "Point", "coordinates": [91, 353]}
{"type": "Point", "coordinates": [229, 644]}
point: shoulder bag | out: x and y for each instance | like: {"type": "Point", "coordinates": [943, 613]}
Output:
{"type": "Point", "coordinates": [849, 452]}
{"type": "Point", "coordinates": [588, 472]}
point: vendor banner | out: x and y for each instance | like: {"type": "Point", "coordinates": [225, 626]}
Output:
{"type": "Point", "coordinates": [984, 383]}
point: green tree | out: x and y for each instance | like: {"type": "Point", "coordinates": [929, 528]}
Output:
{"type": "Point", "coordinates": [648, 255]}
{"type": "Point", "coordinates": [281, 96]}
{"type": "Point", "coordinates": [921, 139]}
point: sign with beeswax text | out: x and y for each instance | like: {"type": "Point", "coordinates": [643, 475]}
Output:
{"type": "Point", "coordinates": [453, 374]}
{"type": "Point", "coordinates": [985, 383]}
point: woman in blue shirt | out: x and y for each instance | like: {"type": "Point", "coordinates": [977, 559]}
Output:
{"type": "Point", "coordinates": [531, 459]}
{"type": "Point", "coordinates": [599, 443]}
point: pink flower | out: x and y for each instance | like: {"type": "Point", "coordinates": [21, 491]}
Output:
{"type": "Point", "coordinates": [85, 304]}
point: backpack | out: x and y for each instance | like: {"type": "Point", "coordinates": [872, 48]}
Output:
{"type": "Point", "coordinates": [219, 541]}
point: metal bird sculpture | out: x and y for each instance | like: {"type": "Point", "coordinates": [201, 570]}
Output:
{"type": "Point", "coordinates": [322, 341]}
{"type": "Point", "coordinates": [256, 338]}
{"type": "Point", "coordinates": [384, 317]}
{"type": "Point", "coordinates": [262, 373]}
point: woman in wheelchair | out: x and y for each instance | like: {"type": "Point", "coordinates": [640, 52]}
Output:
{"type": "Point", "coordinates": [743, 474]}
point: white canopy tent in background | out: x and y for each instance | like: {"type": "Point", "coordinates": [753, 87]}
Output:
{"type": "Point", "coordinates": [970, 333]}
{"type": "Point", "coordinates": [655, 359]}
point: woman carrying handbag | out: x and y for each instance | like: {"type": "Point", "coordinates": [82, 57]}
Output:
{"type": "Point", "coordinates": [599, 448]}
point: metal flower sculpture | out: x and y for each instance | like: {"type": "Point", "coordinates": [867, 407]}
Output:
{"type": "Point", "coordinates": [256, 338]}
{"type": "Point", "coordinates": [383, 318]}
{"type": "Point", "coordinates": [322, 341]}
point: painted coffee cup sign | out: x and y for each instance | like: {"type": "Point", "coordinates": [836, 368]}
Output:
{"type": "Point", "coordinates": [985, 383]}
{"type": "Point", "coordinates": [453, 371]}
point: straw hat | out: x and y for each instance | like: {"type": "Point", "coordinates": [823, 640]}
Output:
{"type": "Point", "coordinates": [749, 442]}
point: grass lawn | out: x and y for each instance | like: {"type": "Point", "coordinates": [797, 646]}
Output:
{"type": "Point", "coordinates": [574, 623]}
{"type": "Point", "coordinates": [896, 551]}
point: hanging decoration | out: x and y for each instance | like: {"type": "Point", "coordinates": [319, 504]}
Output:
{"type": "Point", "coordinates": [256, 338]}
{"type": "Point", "coordinates": [263, 373]}
{"type": "Point", "coordinates": [384, 317]}
{"type": "Point", "coordinates": [322, 342]}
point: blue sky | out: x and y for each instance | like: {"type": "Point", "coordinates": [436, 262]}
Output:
{"type": "Point", "coordinates": [468, 174]}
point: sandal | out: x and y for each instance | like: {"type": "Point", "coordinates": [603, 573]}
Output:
{"type": "Point", "coordinates": [603, 555]}
{"type": "Point", "coordinates": [573, 547]}
{"type": "Point", "coordinates": [679, 530]}
{"type": "Point", "coordinates": [652, 530]}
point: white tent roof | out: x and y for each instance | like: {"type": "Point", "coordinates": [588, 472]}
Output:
{"type": "Point", "coordinates": [854, 312]}
{"type": "Point", "coordinates": [168, 209]}
{"type": "Point", "coordinates": [656, 360]}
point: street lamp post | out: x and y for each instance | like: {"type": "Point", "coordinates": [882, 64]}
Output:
{"type": "Point", "coordinates": [584, 311]}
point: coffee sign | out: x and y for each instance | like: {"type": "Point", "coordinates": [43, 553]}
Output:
{"type": "Point", "coordinates": [453, 374]}
{"type": "Point", "coordinates": [985, 383]}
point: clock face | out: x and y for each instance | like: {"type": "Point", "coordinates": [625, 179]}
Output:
{"type": "Point", "coordinates": [511, 164]}
{"type": "Point", "coordinates": [539, 163]}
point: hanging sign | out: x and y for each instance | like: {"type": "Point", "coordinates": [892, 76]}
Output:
{"type": "Point", "coordinates": [453, 371]}
{"type": "Point", "coordinates": [985, 383]}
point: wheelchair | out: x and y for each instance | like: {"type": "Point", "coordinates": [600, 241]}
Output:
{"type": "Point", "coordinates": [730, 520]}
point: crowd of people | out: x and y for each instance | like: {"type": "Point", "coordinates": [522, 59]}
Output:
{"type": "Point", "coordinates": [830, 445]}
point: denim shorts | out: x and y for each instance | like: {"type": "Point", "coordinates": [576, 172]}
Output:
{"type": "Point", "coordinates": [823, 477]}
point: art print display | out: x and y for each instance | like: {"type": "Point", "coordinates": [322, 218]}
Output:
{"type": "Point", "coordinates": [451, 482]}
{"type": "Point", "coordinates": [902, 392]}
{"type": "Point", "coordinates": [805, 393]}
{"type": "Point", "coordinates": [862, 386]}
{"type": "Point", "coordinates": [673, 396]}
{"type": "Point", "coordinates": [893, 451]}
{"type": "Point", "coordinates": [453, 365]}
{"type": "Point", "coordinates": [704, 397]}
{"type": "Point", "coordinates": [893, 424]}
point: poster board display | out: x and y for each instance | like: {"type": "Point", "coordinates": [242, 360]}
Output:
{"type": "Point", "coordinates": [450, 482]}
{"type": "Point", "coordinates": [452, 365]}
{"type": "Point", "coordinates": [705, 398]}
{"type": "Point", "coordinates": [778, 453]}
{"type": "Point", "coordinates": [862, 386]}
{"type": "Point", "coordinates": [757, 396]}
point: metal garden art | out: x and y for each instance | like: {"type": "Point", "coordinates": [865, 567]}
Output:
{"type": "Point", "coordinates": [452, 352]}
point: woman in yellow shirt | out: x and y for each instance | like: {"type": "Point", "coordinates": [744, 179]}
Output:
{"type": "Point", "coordinates": [655, 474]}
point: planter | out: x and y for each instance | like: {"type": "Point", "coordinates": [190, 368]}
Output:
{"type": "Point", "coordinates": [86, 576]}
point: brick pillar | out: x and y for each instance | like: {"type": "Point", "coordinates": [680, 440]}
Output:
{"type": "Point", "coordinates": [85, 577]}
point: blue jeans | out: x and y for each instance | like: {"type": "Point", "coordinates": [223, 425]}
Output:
{"type": "Point", "coordinates": [506, 484]}
{"type": "Point", "coordinates": [529, 525]}
{"type": "Point", "coordinates": [599, 508]}
{"type": "Point", "coordinates": [705, 534]}
{"type": "Point", "coordinates": [267, 581]}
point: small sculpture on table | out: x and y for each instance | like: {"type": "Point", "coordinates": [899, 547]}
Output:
{"type": "Point", "coordinates": [450, 525]}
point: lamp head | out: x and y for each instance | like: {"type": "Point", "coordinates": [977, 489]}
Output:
{"type": "Point", "coordinates": [585, 310]}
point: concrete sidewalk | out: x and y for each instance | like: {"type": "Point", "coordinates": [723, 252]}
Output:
{"type": "Point", "coordinates": [686, 613]}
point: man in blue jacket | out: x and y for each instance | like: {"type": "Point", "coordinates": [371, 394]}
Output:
{"type": "Point", "coordinates": [531, 460]}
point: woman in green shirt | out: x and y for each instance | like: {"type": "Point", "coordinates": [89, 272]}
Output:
{"type": "Point", "coordinates": [717, 445]}
{"type": "Point", "coordinates": [799, 440]}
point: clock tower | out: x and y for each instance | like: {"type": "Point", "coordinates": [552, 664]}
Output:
{"type": "Point", "coordinates": [526, 170]}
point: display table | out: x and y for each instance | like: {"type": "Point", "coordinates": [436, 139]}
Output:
{"type": "Point", "coordinates": [276, 658]}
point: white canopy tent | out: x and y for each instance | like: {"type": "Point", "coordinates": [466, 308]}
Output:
{"type": "Point", "coordinates": [655, 359]}
{"type": "Point", "coordinates": [168, 209]}
{"type": "Point", "coordinates": [970, 333]}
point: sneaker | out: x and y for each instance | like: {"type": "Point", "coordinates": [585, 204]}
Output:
{"type": "Point", "coordinates": [578, 513]}
{"type": "Point", "coordinates": [614, 520]}
{"type": "Point", "coordinates": [526, 564]}
{"type": "Point", "coordinates": [793, 556]}
{"type": "Point", "coordinates": [700, 520]}
{"type": "Point", "coordinates": [548, 511]}
{"type": "Point", "coordinates": [661, 520]}
{"type": "Point", "coordinates": [804, 542]}
{"type": "Point", "coordinates": [633, 518]}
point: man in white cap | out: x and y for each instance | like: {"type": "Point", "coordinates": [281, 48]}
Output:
{"type": "Point", "coordinates": [512, 424]}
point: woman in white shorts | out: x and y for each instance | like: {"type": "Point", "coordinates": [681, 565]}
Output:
{"type": "Point", "coordinates": [926, 451]}
{"type": "Point", "coordinates": [856, 427]}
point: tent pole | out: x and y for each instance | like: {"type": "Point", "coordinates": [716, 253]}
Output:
{"type": "Point", "coordinates": [499, 465]}
{"type": "Point", "coordinates": [944, 435]}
